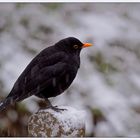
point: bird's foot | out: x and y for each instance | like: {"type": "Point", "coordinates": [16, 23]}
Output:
{"type": "Point", "coordinates": [50, 106]}
{"type": "Point", "coordinates": [55, 108]}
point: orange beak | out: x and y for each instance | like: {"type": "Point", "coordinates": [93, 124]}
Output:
{"type": "Point", "coordinates": [85, 45]}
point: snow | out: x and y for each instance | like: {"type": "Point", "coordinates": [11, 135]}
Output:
{"type": "Point", "coordinates": [49, 123]}
{"type": "Point", "coordinates": [12, 115]}
{"type": "Point", "coordinates": [114, 31]}
{"type": "Point", "coordinates": [70, 118]}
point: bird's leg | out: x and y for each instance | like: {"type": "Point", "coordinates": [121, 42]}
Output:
{"type": "Point", "coordinates": [55, 108]}
{"type": "Point", "coordinates": [49, 105]}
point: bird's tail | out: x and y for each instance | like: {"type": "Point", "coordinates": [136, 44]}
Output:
{"type": "Point", "coordinates": [5, 103]}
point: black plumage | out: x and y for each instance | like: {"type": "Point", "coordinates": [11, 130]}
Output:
{"type": "Point", "coordinates": [49, 73]}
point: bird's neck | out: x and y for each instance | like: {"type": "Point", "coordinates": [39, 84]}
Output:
{"type": "Point", "coordinates": [74, 60]}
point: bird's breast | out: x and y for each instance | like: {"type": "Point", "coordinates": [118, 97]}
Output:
{"type": "Point", "coordinates": [60, 84]}
{"type": "Point", "coordinates": [74, 61]}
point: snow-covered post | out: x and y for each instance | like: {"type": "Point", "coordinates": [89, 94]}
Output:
{"type": "Point", "coordinates": [49, 123]}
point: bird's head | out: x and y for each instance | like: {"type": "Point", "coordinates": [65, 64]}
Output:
{"type": "Point", "coordinates": [72, 44]}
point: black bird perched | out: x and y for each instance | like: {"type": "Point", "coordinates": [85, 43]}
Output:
{"type": "Point", "coordinates": [49, 73]}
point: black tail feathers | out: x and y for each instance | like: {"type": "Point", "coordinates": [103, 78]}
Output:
{"type": "Point", "coordinates": [5, 103]}
{"type": "Point", "coordinates": [2, 106]}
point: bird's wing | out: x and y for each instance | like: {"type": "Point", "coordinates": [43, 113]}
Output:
{"type": "Point", "coordinates": [52, 72]}
{"type": "Point", "coordinates": [37, 74]}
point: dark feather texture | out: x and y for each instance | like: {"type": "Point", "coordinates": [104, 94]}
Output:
{"type": "Point", "coordinates": [48, 74]}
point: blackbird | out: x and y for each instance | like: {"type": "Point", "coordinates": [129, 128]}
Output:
{"type": "Point", "coordinates": [49, 74]}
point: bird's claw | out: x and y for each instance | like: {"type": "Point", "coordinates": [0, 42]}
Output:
{"type": "Point", "coordinates": [55, 108]}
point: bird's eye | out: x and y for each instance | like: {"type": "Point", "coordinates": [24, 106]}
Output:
{"type": "Point", "coordinates": [75, 46]}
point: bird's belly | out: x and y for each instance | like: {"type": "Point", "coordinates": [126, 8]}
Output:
{"type": "Point", "coordinates": [58, 85]}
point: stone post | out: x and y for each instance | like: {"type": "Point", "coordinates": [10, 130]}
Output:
{"type": "Point", "coordinates": [49, 123]}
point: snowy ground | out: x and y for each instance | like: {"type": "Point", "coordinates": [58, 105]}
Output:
{"type": "Point", "coordinates": [109, 77]}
